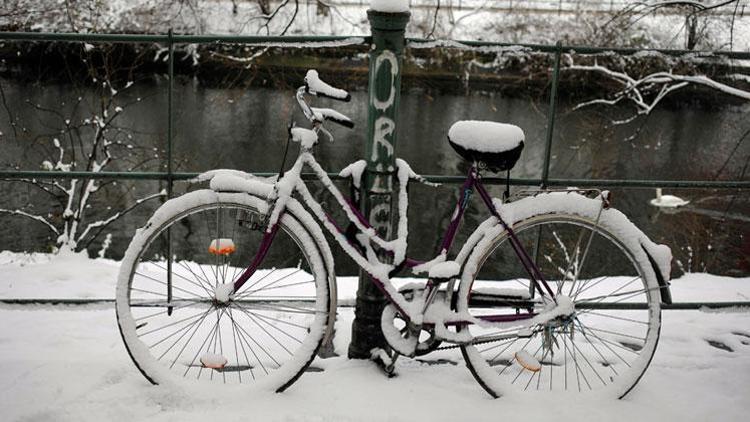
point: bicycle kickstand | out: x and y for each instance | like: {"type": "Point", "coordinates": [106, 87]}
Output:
{"type": "Point", "coordinates": [386, 362]}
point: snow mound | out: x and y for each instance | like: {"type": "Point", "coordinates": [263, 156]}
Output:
{"type": "Point", "coordinates": [390, 6]}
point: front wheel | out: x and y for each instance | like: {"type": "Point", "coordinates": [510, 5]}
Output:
{"type": "Point", "coordinates": [267, 333]}
{"type": "Point", "coordinates": [607, 342]}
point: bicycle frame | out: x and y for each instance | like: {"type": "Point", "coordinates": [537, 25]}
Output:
{"type": "Point", "coordinates": [472, 183]}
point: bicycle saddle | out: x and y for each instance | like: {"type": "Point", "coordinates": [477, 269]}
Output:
{"type": "Point", "coordinates": [496, 146]}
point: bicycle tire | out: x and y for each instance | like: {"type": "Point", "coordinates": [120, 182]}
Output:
{"type": "Point", "coordinates": [610, 348]}
{"type": "Point", "coordinates": [272, 328]}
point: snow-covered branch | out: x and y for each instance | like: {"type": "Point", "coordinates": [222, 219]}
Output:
{"type": "Point", "coordinates": [102, 224]}
{"type": "Point", "coordinates": [697, 5]}
{"type": "Point", "coordinates": [38, 218]}
{"type": "Point", "coordinates": [646, 92]}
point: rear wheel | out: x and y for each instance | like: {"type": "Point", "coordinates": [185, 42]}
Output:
{"type": "Point", "coordinates": [266, 333]}
{"type": "Point", "coordinates": [607, 342]}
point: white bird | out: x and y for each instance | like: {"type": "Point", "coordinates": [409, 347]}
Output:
{"type": "Point", "coordinates": [667, 201]}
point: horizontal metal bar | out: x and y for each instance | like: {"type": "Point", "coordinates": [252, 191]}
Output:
{"type": "Point", "coordinates": [124, 175]}
{"type": "Point", "coordinates": [701, 305]}
{"type": "Point", "coordinates": [684, 306]}
{"type": "Point", "coordinates": [623, 183]}
{"type": "Point", "coordinates": [89, 302]}
{"type": "Point", "coordinates": [61, 301]}
{"type": "Point", "coordinates": [580, 49]}
{"type": "Point", "coordinates": [506, 302]}
{"type": "Point", "coordinates": [143, 175]}
{"type": "Point", "coordinates": [75, 37]}
{"type": "Point", "coordinates": [276, 39]}
{"type": "Point", "coordinates": [683, 184]}
{"type": "Point", "coordinates": [191, 39]}
{"type": "Point", "coordinates": [253, 39]}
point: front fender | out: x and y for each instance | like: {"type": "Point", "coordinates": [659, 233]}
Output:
{"type": "Point", "coordinates": [239, 181]}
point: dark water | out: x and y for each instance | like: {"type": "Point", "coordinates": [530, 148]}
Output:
{"type": "Point", "coordinates": [246, 129]}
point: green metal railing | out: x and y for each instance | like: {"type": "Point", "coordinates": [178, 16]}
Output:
{"type": "Point", "coordinates": [545, 180]}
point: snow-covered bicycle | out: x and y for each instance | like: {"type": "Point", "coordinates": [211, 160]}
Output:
{"type": "Point", "coordinates": [554, 291]}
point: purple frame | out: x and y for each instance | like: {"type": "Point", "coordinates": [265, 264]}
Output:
{"type": "Point", "coordinates": [473, 182]}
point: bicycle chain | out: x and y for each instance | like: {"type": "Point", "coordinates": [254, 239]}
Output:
{"type": "Point", "coordinates": [455, 346]}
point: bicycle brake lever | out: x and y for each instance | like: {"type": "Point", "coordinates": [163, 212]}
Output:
{"type": "Point", "coordinates": [326, 132]}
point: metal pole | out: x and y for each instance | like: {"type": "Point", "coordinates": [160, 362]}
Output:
{"type": "Point", "coordinates": [169, 166]}
{"type": "Point", "coordinates": [169, 113]}
{"type": "Point", "coordinates": [384, 93]}
{"type": "Point", "coordinates": [551, 116]}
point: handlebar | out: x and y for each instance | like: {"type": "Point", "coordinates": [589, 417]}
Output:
{"type": "Point", "coordinates": [315, 86]}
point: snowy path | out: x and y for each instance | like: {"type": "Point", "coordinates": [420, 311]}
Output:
{"type": "Point", "coordinates": [69, 364]}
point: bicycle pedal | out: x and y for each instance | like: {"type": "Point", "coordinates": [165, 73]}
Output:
{"type": "Point", "coordinates": [222, 247]}
{"type": "Point", "coordinates": [527, 361]}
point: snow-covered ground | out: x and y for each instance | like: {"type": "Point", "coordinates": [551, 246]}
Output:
{"type": "Point", "coordinates": [68, 364]}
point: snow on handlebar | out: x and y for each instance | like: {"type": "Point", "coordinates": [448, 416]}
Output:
{"type": "Point", "coordinates": [316, 87]}
{"type": "Point", "coordinates": [332, 115]}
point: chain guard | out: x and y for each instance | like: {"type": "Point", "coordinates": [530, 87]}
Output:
{"type": "Point", "coordinates": [408, 343]}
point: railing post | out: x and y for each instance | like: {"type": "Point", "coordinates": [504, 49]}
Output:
{"type": "Point", "coordinates": [551, 116]}
{"type": "Point", "coordinates": [170, 93]}
{"type": "Point", "coordinates": [384, 93]}
{"type": "Point", "coordinates": [170, 120]}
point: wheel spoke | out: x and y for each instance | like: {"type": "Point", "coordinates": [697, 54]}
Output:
{"type": "Point", "coordinates": [198, 284]}
{"type": "Point", "coordinates": [618, 294]}
{"type": "Point", "coordinates": [236, 350]}
{"type": "Point", "coordinates": [198, 351]}
{"type": "Point", "coordinates": [164, 283]}
{"type": "Point", "coordinates": [250, 292]}
{"type": "Point", "coordinates": [250, 316]}
{"type": "Point", "coordinates": [594, 313]}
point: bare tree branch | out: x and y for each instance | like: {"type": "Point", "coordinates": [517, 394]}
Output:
{"type": "Point", "coordinates": [102, 224]}
{"type": "Point", "coordinates": [434, 20]}
{"type": "Point", "coordinates": [38, 218]}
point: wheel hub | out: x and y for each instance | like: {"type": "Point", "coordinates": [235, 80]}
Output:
{"type": "Point", "coordinates": [223, 293]}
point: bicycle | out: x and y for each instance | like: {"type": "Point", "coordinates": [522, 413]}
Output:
{"type": "Point", "coordinates": [554, 291]}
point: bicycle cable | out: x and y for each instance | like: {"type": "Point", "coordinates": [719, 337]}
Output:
{"type": "Point", "coordinates": [286, 150]}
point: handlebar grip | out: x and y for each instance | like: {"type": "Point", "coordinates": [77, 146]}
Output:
{"type": "Point", "coordinates": [315, 86]}
{"type": "Point", "coordinates": [333, 116]}
{"type": "Point", "coordinates": [346, 123]}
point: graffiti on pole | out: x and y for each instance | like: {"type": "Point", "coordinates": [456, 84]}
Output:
{"type": "Point", "coordinates": [386, 70]}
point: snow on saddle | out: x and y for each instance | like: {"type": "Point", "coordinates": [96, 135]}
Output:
{"type": "Point", "coordinates": [496, 146]}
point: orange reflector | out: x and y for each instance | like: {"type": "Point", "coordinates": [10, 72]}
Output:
{"type": "Point", "coordinates": [527, 361]}
{"type": "Point", "coordinates": [213, 361]}
{"type": "Point", "coordinates": [221, 247]}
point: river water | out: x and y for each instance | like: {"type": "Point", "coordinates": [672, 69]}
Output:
{"type": "Point", "coordinates": [246, 129]}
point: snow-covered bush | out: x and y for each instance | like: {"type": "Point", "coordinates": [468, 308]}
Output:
{"type": "Point", "coordinates": [82, 133]}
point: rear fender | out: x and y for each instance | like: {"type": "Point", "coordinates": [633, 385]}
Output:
{"type": "Point", "coordinates": [666, 294]}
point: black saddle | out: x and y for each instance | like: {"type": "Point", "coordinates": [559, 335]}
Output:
{"type": "Point", "coordinates": [495, 146]}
